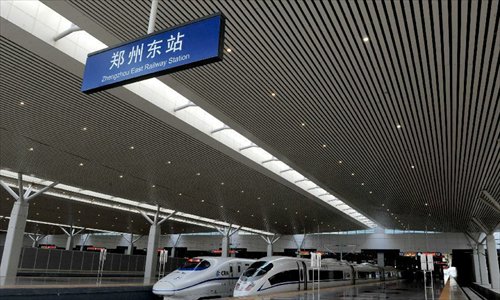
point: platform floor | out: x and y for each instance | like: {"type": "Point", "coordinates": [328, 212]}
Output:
{"type": "Point", "coordinates": [397, 290]}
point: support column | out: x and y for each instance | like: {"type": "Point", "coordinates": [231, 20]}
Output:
{"type": "Point", "coordinates": [482, 265]}
{"type": "Point", "coordinates": [71, 234]}
{"type": "Point", "coordinates": [477, 271]}
{"type": "Point", "coordinates": [131, 243]}
{"type": "Point", "coordinates": [35, 238]}
{"type": "Point", "coordinates": [154, 235]}
{"type": "Point", "coordinates": [270, 240]}
{"type": "Point", "coordinates": [172, 252]}
{"type": "Point", "coordinates": [493, 261]}
{"type": "Point", "coordinates": [299, 242]}
{"type": "Point", "coordinates": [380, 259]}
{"type": "Point", "coordinates": [15, 231]}
{"type": "Point", "coordinates": [84, 240]}
{"type": "Point", "coordinates": [226, 235]}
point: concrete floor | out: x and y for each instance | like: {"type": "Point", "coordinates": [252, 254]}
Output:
{"type": "Point", "coordinates": [398, 290]}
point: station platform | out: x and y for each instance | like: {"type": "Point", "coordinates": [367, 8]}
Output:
{"type": "Point", "coordinates": [397, 290]}
{"type": "Point", "coordinates": [76, 288]}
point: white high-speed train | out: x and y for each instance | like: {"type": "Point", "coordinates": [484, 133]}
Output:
{"type": "Point", "coordinates": [202, 278]}
{"type": "Point", "coordinates": [283, 274]}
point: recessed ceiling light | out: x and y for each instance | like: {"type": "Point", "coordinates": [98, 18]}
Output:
{"type": "Point", "coordinates": [371, 192]}
{"type": "Point", "coordinates": [303, 124]}
{"type": "Point", "coordinates": [276, 222]}
{"type": "Point", "coordinates": [222, 183]}
{"type": "Point", "coordinates": [387, 209]}
{"type": "Point", "coordinates": [202, 200]}
{"type": "Point", "coordinates": [258, 198]}
{"type": "Point", "coordinates": [296, 212]}
{"type": "Point", "coordinates": [383, 204]}
{"type": "Point", "coordinates": [36, 214]}
{"type": "Point", "coordinates": [229, 50]}
{"type": "Point", "coordinates": [132, 147]}
{"type": "Point", "coordinates": [252, 215]}
{"type": "Point", "coordinates": [121, 176]}
{"type": "Point", "coordinates": [21, 103]}
{"type": "Point", "coordinates": [362, 183]}
{"type": "Point", "coordinates": [398, 126]}
{"type": "Point", "coordinates": [180, 194]}
{"type": "Point", "coordinates": [238, 211]}
{"type": "Point", "coordinates": [58, 207]}
{"type": "Point", "coordinates": [79, 211]}
{"type": "Point", "coordinates": [324, 145]}
{"type": "Point", "coordinates": [413, 167]}
{"type": "Point", "coordinates": [340, 161]}
{"type": "Point", "coordinates": [78, 220]}
{"type": "Point", "coordinates": [98, 215]}
{"type": "Point", "coordinates": [84, 128]}
{"type": "Point", "coordinates": [286, 208]}
{"type": "Point", "coordinates": [242, 191]}
{"type": "Point", "coordinates": [273, 94]}
{"type": "Point", "coordinates": [222, 206]}
{"type": "Point", "coordinates": [116, 218]}
{"type": "Point", "coordinates": [352, 174]}
{"type": "Point", "coordinates": [198, 174]}
{"type": "Point", "coordinates": [31, 149]}
{"type": "Point", "coordinates": [426, 204]}
{"type": "Point", "coordinates": [80, 164]}
{"type": "Point", "coordinates": [153, 186]}
{"type": "Point", "coordinates": [169, 162]}
{"type": "Point", "coordinates": [273, 203]}
{"type": "Point", "coordinates": [366, 39]}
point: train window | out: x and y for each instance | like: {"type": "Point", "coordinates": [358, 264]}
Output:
{"type": "Point", "coordinates": [286, 276]}
{"type": "Point", "coordinates": [230, 269]}
{"type": "Point", "coordinates": [256, 269]}
{"type": "Point", "coordinates": [195, 264]}
{"type": "Point", "coordinates": [239, 269]}
{"type": "Point", "coordinates": [338, 275]}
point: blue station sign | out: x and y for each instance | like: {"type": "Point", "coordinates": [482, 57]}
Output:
{"type": "Point", "coordinates": [187, 45]}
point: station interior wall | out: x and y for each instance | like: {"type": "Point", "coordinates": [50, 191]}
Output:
{"type": "Point", "coordinates": [436, 242]}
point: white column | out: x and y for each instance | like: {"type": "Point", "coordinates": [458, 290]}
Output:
{"type": "Point", "coordinates": [14, 240]}
{"type": "Point", "coordinates": [493, 261]}
{"type": "Point", "coordinates": [225, 246]}
{"type": "Point", "coordinates": [15, 230]}
{"type": "Point", "coordinates": [152, 254]}
{"type": "Point", "coordinates": [477, 271]}
{"type": "Point", "coordinates": [154, 235]}
{"type": "Point", "coordinates": [69, 242]}
{"type": "Point", "coordinates": [482, 265]}
{"type": "Point", "coordinates": [380, 259]}
{"type": "Point", "coordinates": [130, 249]}
{"type": "Point", "coordinates": [269, 249]}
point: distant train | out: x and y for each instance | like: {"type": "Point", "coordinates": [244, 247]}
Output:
{"type": "Point", "coordinates": [284, 274]}
{"type": "Point", "coordinates": [202, 278]}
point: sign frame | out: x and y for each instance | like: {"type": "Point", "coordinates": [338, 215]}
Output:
{"type": "Point", "coordinates": [217, 58]}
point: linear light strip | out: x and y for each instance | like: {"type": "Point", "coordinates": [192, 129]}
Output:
{"type": "Point", "coordinates": [121, 203]}
{"type": "Point", "coordinates": [40, 21]}
{"type": "Point", "coordinates": [65, 225]}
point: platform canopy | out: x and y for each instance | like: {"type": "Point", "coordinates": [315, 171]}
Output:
{"type": "Point", "coordinates": [323, 115]}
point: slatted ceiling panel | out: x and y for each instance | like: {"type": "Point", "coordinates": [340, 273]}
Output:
{"type": "Point", "coordinates": [84, 215]}
{"type": "Point", "coordinates": [430, 66]}
{"type": "Point", "coordinates": [51, 122]}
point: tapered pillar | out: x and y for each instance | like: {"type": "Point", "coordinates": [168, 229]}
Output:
{"type": "Point", "coordinates": [152, 254]}
{"type": "Point", "coordinates": [380, 259]}
{"type": "Point", "coordinates": [477, 270]}
{"type": "Point", "coordinates": [225, 246]}
{"type": "Point", "coordinates": [154, 236]}
{"type": "Point", "coordinates": [130, 248]}
{"type": "Point", "coordinates": [493, 261]}
{"type": "Point", "coordinates": [14, 240]}
{"type": "Point", "coordinates": [70, 233]}
{"type": "Point", "coordinates": [15, 230]}
{"type": "Point", "coordinates": [69, 242]}
{"type": "Point", "coordinates": [270, 240]}
{"type": "Point", "coordinates": [482, 265]}
{"type": "Point", "coordinates": [226, 232]}
{"type": "Point", "coordinates": [172, 252]}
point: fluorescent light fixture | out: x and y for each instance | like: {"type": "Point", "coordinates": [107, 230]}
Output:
{"type": "Point", "coordinates": [45, 23]}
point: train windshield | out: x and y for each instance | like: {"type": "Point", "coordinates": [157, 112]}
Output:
{"type": "Point", "coordinates": [195, 264]}
{"type": "Point", "coordinates": [256, 270]}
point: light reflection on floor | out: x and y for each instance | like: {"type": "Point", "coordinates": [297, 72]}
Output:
{"type": "Point", "coordinates": [398, 290]}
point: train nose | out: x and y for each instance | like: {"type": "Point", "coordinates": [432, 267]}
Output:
{"type": "Point", "coordinates": [164, 288]}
